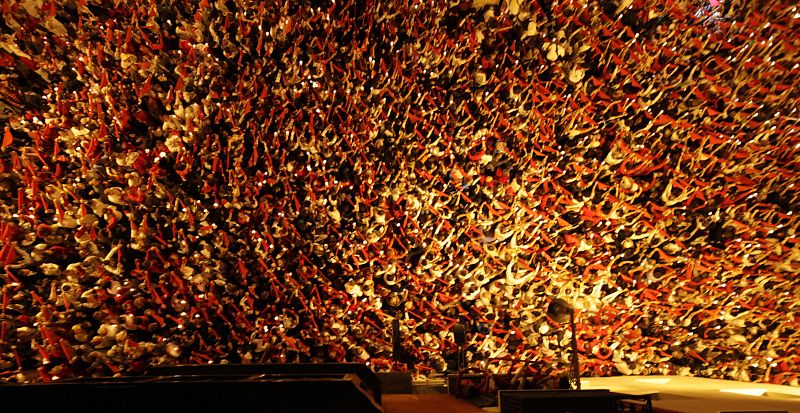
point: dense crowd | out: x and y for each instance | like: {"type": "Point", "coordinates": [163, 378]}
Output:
{"type": "Point", "coordinates": [275, 181]}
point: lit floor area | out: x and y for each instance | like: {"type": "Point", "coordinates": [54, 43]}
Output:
{"type": "Point", "coordinates": [670, 394]}
{"type": "Point", "coordinates": [699, 395]}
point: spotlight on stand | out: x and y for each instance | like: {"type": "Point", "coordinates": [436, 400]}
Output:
{"type": "Point", "coordinates": [573, 400]}
{"type": "Point", "coordinates": [560, 311]}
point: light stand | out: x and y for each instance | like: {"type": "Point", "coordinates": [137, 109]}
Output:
{"type": "Point", "coordinates": [561, 311]}
{"type": "Point", "coordinates": [460, 337]}
{"type": "Point", "coordinates": [396, 343]}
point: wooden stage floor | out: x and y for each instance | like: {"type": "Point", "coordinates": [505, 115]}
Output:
{"type": "Point", "coordinates": [426, 403]}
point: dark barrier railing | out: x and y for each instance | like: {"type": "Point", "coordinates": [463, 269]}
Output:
{"type": "Point", "coordinates": [367, 376]}
{"type": "Point", "coordinates": [184, 393]}
{"type": "Point", "coordinates": [573, 401]}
